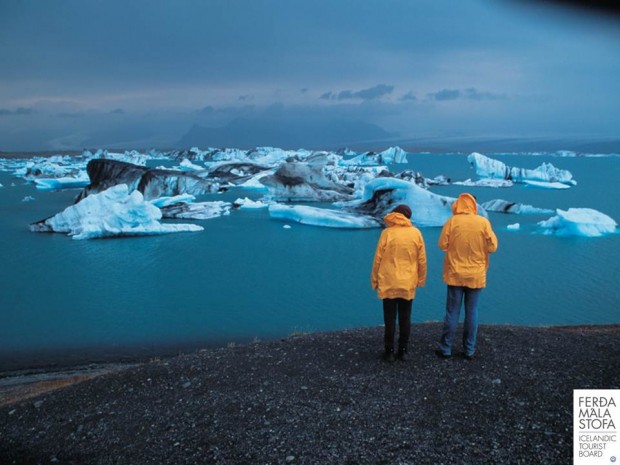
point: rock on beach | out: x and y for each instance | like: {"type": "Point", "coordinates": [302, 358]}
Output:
{"type": "Point", "coordinates": [323, 398]}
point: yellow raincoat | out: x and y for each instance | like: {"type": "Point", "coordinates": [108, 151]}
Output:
{"type": "Point", "coordinates": [400, 259]}
{"type": "Point", "coordinates": [467, 240]}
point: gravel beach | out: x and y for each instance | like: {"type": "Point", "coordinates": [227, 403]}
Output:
{"type": "Point", "coordinates": [325, 398]}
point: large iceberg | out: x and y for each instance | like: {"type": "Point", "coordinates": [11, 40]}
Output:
{"type": "Point", "coordinates": [321, 217]}
{"type": "Point", "coordinates": [503, 206]}
{"type": "Point", "coordinates": [112, 213]}
{"type": "Point", "coordinates": [304, 182]}
{"type": "Point", "coordinates": [546, 173]}
{"type": "Point", "coordinates": [383, 194]}
{"type": "Point", "coordinates": [578, 222]}
{"type": "Point", "coordinates": [153, 183]}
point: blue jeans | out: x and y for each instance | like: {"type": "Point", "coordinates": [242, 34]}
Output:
{"type": "Point", "coordinates": [454, 300]}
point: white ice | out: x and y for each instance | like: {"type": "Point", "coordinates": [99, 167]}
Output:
{"type": "Point", "coordinates": [487, 182]}
{"type": "Point", "coordinates": [111, 213]}
{"type": "Point", "coordinates": [490, 168]}
{"type": "Point", "coordinates": [513, 227]}
{"type": "Point", "coordinates": [66, 182]}
{"type": "Point", "coordinates": [547, 185]}
{"type": "Point", "coordinates": [387, 157]}
{"type": "Point", "coordinates": [171, 200]}
{"type": "Point", "coordinates": [578, 222]}
{"type": "Point", "coordinates": [198, 210]}
{"type": "Point", "coordinates": [321, 217]}
{"type": "Point", "coordinates": [187, 165]}
{"type": "Point", "coordinates": [249, 203]}
{"type": "Point", "coordinates": [503, 206]}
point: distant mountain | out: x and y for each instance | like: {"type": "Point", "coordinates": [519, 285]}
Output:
{"type": "Point", "coordinates": [293, 134]}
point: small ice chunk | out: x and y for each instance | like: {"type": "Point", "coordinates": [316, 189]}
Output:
{"type": "Point", "coordinates": [187, 165]}
{"type": "Point", "coordinates": [249, 203]}
{"type": "Point", "coordinates": [28, 198]}
{"type": "Point", "coordinates": [513, 227]}
{"type": "Point", "coordinates": [287, 226]}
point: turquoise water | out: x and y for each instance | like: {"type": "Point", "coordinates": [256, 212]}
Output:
{"type": "Point", "coordinates": [246, 277]}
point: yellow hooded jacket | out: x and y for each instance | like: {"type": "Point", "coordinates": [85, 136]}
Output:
{"type": "Point", "coordinates": [400, 259]}
{"type": "Point", "coordinates": [467, 240]}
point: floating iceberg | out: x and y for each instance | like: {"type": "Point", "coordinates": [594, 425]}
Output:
{"type": "Point", "coordinates": [196, 211]}
{"type": "Point", "coordinates": [249, 203]}
{"type": "Point", "coordinates": [387, 157]}
{"type": "Point", "coordinates": [578, 222]}
{"type": "Point", "coordinates": [487, 182]}
{"type": "Point", "coordinates": [513, 227]}
{"type": "Point", "coordinates": [152, 183]}
{"type": "Point", "coordinates": [547, 185]}
{"type": "Point", "coordinates": [187, 165]}
{"type": "Point", "coordinates": [166, 201]}
{"type": "Point", "coordinates": [503, 206]}
{"type": "Point", "coordinates": [304, 182]}
{"type": "Point", "coordinates": [321, 217]}
{"type": "Point", "coordinates": [383, 194]}
{"type": "Point", "coordinates": [66, 182]}
{"type": "Point", "coordinates": [112, 213]}
{"type": "Point", "coordinates": [489, 168]}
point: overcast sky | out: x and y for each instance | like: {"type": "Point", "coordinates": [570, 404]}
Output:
{"type": "Point", "coordinates": [110, 73]}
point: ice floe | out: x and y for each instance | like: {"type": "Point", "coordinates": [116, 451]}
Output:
{"type": "Point", "coordinates": [490, 168]}
{"type": "Point", "coordinates": [111, 213]}
{"type": "Point", "coordinates": [246, 203]}
{"type": "Point", "coordinates": [171, 200]}
{"type": "Point", "coordinates": [578, 222]}
{"type": "Point", "coordinates": [486, 182]}
{"type": "Point", "coordinates": [66, 182]}
{"type": "Point", "coordinates": [513, 227]}
{"type": "Point", "coordinates": [503, 206]}
{"type": "Point", "coordinates": [321, 217]}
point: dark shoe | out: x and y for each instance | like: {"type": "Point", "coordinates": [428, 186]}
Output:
{"type": "Point", "coordinates": [388, 356]}
{"type": "Point", "coordinates": [468, 356]}
{"type": "Point", "coordinates": [440, 354]}
{"type": "Point", "coordinates": [402, 354]}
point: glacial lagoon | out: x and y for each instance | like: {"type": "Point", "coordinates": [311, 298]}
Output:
{"type": "Point", "coordinates": [248, 276]}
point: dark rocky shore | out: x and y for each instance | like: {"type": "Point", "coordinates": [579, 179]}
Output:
{"type": "Point", "coordinates": [322, 399]}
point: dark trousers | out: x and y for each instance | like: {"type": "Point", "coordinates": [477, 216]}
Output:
{"type": "Point", "coordinates": [392, 308]}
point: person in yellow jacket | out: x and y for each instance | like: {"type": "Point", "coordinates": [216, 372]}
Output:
{"type": "Point", "coordinates": [399, 267]}
{"type": "Point", "coordinates": [467, 239]}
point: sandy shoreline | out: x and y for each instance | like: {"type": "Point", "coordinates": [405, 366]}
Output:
{"type": "Point", "coordinates": [322, 398]}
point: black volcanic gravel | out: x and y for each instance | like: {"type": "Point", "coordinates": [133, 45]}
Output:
{"type": "Point", "coordinates": [326, 398]}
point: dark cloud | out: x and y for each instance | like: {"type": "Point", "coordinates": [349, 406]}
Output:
{"type": "Point", "coordinates": [445, 94]}
{"type": "Point", "coordinates": [409, 96]}
{"type": "Point", "coordinates": [68, 115]}
{"type": "Point", "coordinates": [17, 111]}
{"type": "Point", "coordinates": [372, 93]}
{"type": "Point", "coordinates": [468, 94]}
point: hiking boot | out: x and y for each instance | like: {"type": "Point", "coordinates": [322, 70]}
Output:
{"type": "Point", "coordinates": [388, 355]}
{"type": "Point", "coordinates": [402, 354]}
{"type": "Point", "coordinates": [440, 354]}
